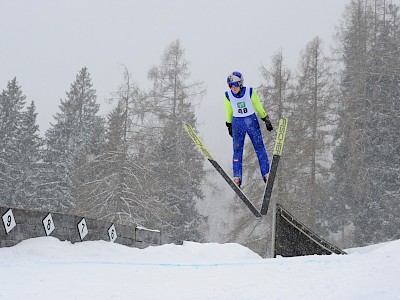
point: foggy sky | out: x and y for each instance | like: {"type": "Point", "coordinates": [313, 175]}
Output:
{"type": "Point", "coordinates": [45, 43]}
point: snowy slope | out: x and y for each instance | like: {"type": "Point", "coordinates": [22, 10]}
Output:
{"type": "Point", "coordinates": [46, 268]}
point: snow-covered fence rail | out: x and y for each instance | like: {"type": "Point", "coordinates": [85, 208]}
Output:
{"type": "Point", "coordinates": [20, 224]}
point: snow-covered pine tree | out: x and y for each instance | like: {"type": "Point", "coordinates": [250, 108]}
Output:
{"type": "Point", "coordinates": [12, 102]}
{"type": "Point", "coordinates": [120, 183]}
{"type": "Point", "coordinates": [348, 155]}
{"type": "Point", "coordinates": [73, 139]}
{"type": "Point", "coordinates": [31, 166]}
{"type": "Point", "coordinates": [366, 158]}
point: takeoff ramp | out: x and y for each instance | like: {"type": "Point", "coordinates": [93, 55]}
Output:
{"type": "Point", "coordinates": [292, 238]}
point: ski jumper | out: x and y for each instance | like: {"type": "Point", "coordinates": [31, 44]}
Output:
{"type": "Point", "coordinates": [241, 111]}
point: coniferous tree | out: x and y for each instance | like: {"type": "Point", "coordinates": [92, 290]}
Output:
{"type": "Point", "coordinates": [20, 154]}
{"type": "Point", "coordinates": [120, 183]}
{"type": "Point", "coordinates": [381, 210]}
{"type": "Point", "coordinates": [177, 164]}
{"type": "Point", "coordinates": [71, 142]}
{"type": "Point", "coordinates": [366, 164]}
{"type": "Point", "coordinates": [348, 136]}
{"type": "Point", "coordinates": [12, 102]}
{"type": "Point", "coordinates": [31, 165]}
{"type": "Point", "coordinates": [101, 195]}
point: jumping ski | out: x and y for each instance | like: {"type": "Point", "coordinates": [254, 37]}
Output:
{"type": "Point", "coordinates": [278, 148]}
{"type": "Point", "coordinates": [190, 131]}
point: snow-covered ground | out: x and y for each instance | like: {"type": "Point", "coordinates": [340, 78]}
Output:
{"type": "Point", "coordinates": [46, 268]}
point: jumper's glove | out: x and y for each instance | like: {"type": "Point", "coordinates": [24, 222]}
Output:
{"type": "Point", "coordinates": [268, 123]}
{"type": "Point", "coordinates": [229, 125]}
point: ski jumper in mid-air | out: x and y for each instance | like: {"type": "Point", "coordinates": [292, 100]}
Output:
{"type": "Point", "coordinates": [241, 105]}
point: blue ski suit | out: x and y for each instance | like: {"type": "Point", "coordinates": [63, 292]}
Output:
{"type": "Point", "coordinates": [241, 111]}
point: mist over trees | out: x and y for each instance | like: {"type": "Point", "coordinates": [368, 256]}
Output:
{"type": "Point", "coordinates": [339, 173]}
{"type": "Point", "coordinates": [366, 159]}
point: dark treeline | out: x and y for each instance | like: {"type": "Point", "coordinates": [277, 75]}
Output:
{"type": "Point", "coordinates": [340, 169]}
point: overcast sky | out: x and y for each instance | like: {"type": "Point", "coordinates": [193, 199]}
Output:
{"type": "Point", "coordinates": [45, 43]}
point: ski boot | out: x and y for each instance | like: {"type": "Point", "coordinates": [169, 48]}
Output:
{"type": "Point", "coordinates": [237, 181]}
{"type": "Point", "coordinates": [265, 178]}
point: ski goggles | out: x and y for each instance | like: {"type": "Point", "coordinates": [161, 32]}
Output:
{"type": "Point", "coordinates": [236, 83]}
